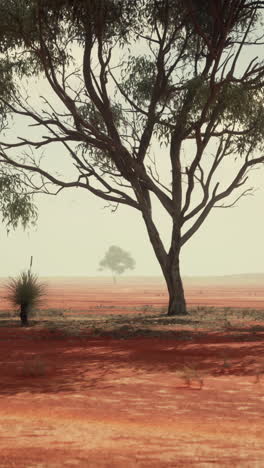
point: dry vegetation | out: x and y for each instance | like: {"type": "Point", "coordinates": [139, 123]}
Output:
{"type": "Point", "coordinates": [132, 371]}
{"type": "Point", "coordinates": [146, 321]}
{"type": "Point", "coordinates": [240, 325]}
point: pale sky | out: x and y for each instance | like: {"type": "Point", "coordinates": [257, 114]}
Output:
{"type": "Point", "coordinates": [74, 230]}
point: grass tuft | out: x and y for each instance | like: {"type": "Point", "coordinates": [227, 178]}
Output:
{"type": "Point", "coordinates": [190, 374]}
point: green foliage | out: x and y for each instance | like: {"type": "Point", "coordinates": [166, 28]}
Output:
{"type": "Point", "coordinates": [17, 23]}
{"type": "Point", "coordinates": [242, 106]}
{"type": "Point", "coordinates": [138, 78]}
{"type": "Point", "coordinates": [25, 290]}
{"type": "Point", "coordinates": [21, 19]}
{"type": "Point", "coordinates": [156, 13]}
{"type": "Point", "coordinates": [90, 112]}
{"type": "Point", "coordinates": [64, 23]}
{"type": "Point", "coordinates": [6, 88]}
{"type": "Point", "coordinates": [16, 205]}
{"type": "Point", "coordinates": [117, 260]}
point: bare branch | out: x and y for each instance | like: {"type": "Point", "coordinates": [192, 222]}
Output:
{"type": "Point", "coordinates": [105, 195]}
{"type": "Point", "coordinates": [246, 192]}
{"type": "Point", "coordinates": [237, 182]}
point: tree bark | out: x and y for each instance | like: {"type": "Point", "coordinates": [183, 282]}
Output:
{"type": "Point", "coordinates": [169, 263]}
{"type": "Point", "coordinates": [24, 309]}
{"type": "Point", "coordinates": [177, 304]}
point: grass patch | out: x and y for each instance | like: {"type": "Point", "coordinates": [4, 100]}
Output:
{"type": "Point", "coordinates": [150, 323]}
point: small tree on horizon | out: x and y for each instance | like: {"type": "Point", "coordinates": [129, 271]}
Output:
{"type": "Point", "coordinates": [117, 260]}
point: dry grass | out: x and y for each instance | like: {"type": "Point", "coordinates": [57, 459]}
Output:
{"type": "Point", "coordinates": [147, 320]}
{"type": "Point", "coordinates": [191, 375]}
{"type": "Point", "coordinates": [259, 373]}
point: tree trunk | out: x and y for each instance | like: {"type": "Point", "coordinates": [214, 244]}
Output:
{"type": "Point", "coordinates": [24, 309]}
{"type": "Point", "coordinates": [169, 263]}
{"type": "Point", "coordinates": [177, 304]}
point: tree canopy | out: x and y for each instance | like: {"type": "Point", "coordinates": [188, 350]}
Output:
{"type": "Point", "coordinates": [117, 260]}
{"type": "Point", "coordinates": [128, 80]}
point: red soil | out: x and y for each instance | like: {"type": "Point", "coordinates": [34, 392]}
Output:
{"type": "Point", "coordinates": [77, 295]}
{"type": "Point", "coordinates": [104, 402]}
{"type": "Point", "coordinates": [83, 294]}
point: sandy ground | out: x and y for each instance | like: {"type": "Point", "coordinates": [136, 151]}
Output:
{"type": "Point", "coordinates": [119, 384]}
{"type": "Point", "coordinates": [82, 294]}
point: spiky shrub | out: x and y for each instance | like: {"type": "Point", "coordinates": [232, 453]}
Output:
{"type": "Point", "coordinates": [25, 291]}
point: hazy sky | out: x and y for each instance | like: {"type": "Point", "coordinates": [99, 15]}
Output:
{"type": "Point", "coordinates": [74, 230]}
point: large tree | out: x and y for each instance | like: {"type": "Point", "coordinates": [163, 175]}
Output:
{"type": "Point", "coordinates": [138, 87]}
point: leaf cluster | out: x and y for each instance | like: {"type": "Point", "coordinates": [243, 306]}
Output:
{"type": "Point", "coordinates": [89, 111]}
{"type": "Point", "coordinates": [108, 19]}
{"type": "Point", "coordinates": [16, 205]}
{"type": "Point", "coordinates": [242, 106]}
{"type": "Point", "coordinates": [138, 78]}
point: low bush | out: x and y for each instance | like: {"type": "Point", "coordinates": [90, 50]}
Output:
{"type": "Point", "coordinates": [25, 291]}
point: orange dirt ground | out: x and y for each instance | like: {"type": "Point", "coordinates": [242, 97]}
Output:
{"type": "Point", "coordinates": [107, 401]}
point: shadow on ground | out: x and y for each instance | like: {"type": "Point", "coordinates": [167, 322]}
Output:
{"type": "Point", "coordinates": [62, 360]}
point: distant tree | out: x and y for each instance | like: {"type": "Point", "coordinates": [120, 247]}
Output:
{"type": "Point", "coordinates": [16, 205]}
{"type": "Point", "coordinates": [133, 80]}
{"type": "Point", "coordinates": [117, 260]}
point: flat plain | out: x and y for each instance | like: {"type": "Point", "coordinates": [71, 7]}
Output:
{"type": "Point", "coordinates": [104, 378]}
